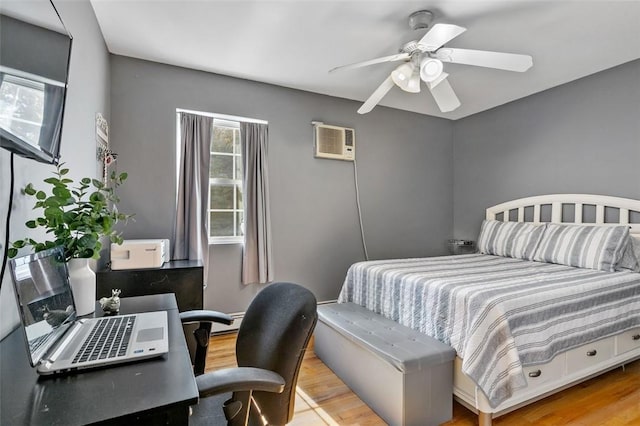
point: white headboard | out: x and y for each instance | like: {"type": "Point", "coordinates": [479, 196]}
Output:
{"type": "Point", "coordinates": [557, 202]}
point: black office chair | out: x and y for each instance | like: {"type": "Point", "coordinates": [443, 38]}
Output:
{"type": "Point", "coordinates": [270, 346]}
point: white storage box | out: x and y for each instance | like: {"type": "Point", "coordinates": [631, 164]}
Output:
{"type": "Point", "coordinates": [139, 254]}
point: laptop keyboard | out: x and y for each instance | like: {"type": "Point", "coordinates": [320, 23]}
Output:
{"type": "Point", "coordinates": [109, 339]}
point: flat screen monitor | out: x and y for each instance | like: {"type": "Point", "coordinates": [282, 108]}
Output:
{"type": "Point", "coordinates": [35, 48]}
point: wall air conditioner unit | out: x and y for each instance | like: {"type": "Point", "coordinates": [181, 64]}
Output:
{"type": "Point", "coordinates": [336, 143]}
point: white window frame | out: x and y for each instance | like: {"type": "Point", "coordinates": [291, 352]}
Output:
{"type": "Point", "coordinates": [236, 239]}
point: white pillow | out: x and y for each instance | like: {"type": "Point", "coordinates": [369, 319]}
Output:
{"type": "Point", "coordinates": [583, 246]}
{"type": "Point", "coordinates": [510, 239]}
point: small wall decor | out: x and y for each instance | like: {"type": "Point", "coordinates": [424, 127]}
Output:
{"type": "Point", "coordinates": [105, 156]}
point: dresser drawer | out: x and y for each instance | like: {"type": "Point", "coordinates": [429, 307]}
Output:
{"type": "Point", "coordinates": [538, 374]}
{"type": "Point", "coordinates": [589, 355]}
{"type": "Point", "coordinates": [628, 341]}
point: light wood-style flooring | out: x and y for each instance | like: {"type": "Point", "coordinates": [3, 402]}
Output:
{"type": "Point", "coordinates": [612, 399]}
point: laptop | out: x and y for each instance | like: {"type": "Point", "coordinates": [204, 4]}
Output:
{"type": "Point", "coordinates": [59, 342]}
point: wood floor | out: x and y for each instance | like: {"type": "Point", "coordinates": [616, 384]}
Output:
{"type": "Point", "coordinates": [612, 399]}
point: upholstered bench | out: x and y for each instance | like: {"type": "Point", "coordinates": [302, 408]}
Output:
{"type": "Point", "coordinates": [406, 377]}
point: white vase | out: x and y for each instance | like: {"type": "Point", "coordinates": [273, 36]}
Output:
{"type": "Point", "coordinates": [83, 285]}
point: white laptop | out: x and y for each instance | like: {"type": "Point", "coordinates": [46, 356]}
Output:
{"type": "Point", "coordinates": [57, 341]}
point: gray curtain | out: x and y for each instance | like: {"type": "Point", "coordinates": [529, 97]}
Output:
{"type": "Point", "coordinates": [257, 260]}
{"type": "Point", "coordinates": [191, 234]}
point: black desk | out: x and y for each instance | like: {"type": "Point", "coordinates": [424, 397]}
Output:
{"type": "Point", "coordinates": [157, 391]}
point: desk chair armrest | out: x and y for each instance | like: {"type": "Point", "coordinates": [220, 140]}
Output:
{"type": "Point", "coordinates": [204, 315]}
{"type": "Point", "coordinates": [201, 333]}
{"type": "Point", "coordinates": [239, 379]}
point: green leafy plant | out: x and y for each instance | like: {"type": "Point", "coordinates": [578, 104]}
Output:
{"type": "Point", "coordinates": [76, 215]}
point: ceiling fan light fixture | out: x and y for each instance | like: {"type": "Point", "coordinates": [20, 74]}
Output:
{"type": "Point", "coordinates": [401, 76]}
{"type": "Point", "coordinates": [430, 69]}
{"type": "Point", "coordinates": [423, 61]}
{"type": "Point", "coordinates": [413, 86]}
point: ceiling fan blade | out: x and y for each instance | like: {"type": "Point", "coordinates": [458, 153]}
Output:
{"type": "Point", "coordinates": [444, 95]}
{"type": "Point", "coordinates": [438, 35]}
{"type": "Point", "coordinates": [376, 96]}
{"type": "Point", "coordinates": [482, 58]}
{"type": "Point", "coordinates": [392, 58]}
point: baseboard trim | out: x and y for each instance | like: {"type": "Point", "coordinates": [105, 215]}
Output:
{"type": "Point", "coordinates": [218, 328]}
{"type": "Point", "coordinates": [237, 320]}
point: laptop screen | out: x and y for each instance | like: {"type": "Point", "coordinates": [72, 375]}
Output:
{"type": "Point", "coordinates": [45, 302]}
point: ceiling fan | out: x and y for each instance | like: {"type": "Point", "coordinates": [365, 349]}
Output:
{"type": "Point", "coordinates": [423, 61]}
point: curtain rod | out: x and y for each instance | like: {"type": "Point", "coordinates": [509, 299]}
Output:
{"type": "Point", "coordinates": [223, 116]}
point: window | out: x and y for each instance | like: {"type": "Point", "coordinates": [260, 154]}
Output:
{"type": "Point", "coordinates": [226, 217]}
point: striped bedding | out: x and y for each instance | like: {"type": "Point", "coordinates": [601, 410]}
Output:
{"type": "Point", "coordinates": [498, 313]}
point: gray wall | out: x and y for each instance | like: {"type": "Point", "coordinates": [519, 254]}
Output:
{"type": "Point", "coordinates": [88, 94]}
{"type": "Point", "coordinates": [404, 167]}
{"type": "Point", "coordinates": [581, 137]}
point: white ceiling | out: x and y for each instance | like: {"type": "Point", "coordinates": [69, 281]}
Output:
{"type": "Point", "coordinates": [294, 43]}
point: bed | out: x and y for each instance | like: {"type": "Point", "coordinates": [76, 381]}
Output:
{"type": "Point", "coordinates": [524, 320]}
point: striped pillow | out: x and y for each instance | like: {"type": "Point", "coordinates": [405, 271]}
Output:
{"type": "Point", "coordinates": [629, 260]}
{"type": "Point", "coordinates": [510, 239]}
{"type": "Point", "coordinates": [593, 247]}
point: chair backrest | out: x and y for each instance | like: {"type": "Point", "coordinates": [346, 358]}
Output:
{"type": "Point", "coordinates": [273, 335]}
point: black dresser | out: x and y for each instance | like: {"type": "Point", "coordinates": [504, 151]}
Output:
{"type": "Point", "coordinates": [182, 277]}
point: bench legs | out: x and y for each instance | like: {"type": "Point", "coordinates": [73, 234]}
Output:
{"type": "Point", "coordinates": [484, 419]}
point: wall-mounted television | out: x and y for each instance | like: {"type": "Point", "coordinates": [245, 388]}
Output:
{"type": "Point", "coordinates": [35, 49]}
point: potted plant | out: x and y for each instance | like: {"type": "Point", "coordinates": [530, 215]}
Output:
{"type": "Point", "coordinates": [76, 216]}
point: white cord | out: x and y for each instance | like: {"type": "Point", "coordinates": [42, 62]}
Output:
{"type": "Point", "coordinates": [355, 178]}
